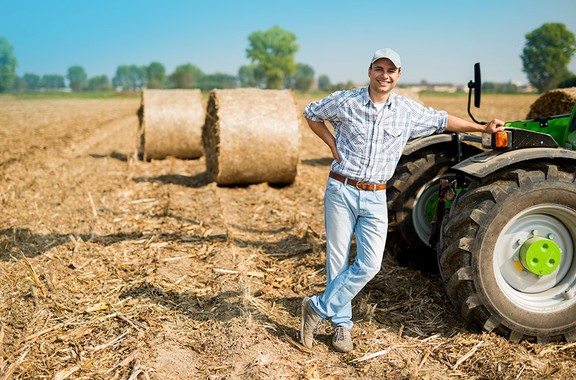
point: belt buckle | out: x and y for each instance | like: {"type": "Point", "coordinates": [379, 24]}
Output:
{"type": "Point", "coordinates": [359, 185]}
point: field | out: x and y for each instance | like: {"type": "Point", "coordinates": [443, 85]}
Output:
{"type": "Point", "coordinates": [115, 268]}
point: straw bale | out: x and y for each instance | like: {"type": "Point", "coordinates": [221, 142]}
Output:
{"type": "Point", "coordinates": [554, 102]}
{"type": "Point", "coordinates": [171, 124]}
{"type": "Point", "coordinates": [251, 136]}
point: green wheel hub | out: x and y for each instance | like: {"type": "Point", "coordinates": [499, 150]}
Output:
{"type": "Point", "coordinates": [430, 207]}
{"type": "Point", "coordinates": [540, 256]}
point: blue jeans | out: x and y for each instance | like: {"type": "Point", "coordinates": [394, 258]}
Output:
{"type": "Point", "coordinates": [348, 210]}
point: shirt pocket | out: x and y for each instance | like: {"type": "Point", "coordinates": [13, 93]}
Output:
{"type": "Point", "coordinates": [395, 123]}
{"type": "Point", "coordinates": [395, 141]}
{"type": "Point", "coordinates": [393, 131]}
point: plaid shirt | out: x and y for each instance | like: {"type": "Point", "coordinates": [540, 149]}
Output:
{"type": "Point", "coordinates": [369, 142]}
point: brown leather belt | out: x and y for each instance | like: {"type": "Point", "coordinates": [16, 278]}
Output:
{"type": "Point", "coordinates": [357, 184]}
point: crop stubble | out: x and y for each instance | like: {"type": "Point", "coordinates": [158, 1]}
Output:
{"type": "Point", "coordinates": [112, 267]}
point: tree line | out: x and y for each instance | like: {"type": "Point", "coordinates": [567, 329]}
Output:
{"type": "Point", "coordinates": [272, 54]}
{"type": "Point", "coordinates": [545, 58]}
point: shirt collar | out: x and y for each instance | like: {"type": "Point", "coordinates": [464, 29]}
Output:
{"type": "Point", "coordinates": [390, 103]}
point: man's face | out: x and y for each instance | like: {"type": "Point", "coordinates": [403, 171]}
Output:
{"type": "Point", "coordinates": [383, 75]}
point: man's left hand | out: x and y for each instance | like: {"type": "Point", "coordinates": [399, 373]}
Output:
{"type": "Point", "coordinates": [495, 125]}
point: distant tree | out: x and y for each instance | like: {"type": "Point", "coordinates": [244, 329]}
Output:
{"type": "Point", "coordinates": [32, 81]}
{"type": "Point", "coordinates": [28, 82]}
{"type": "Point", "coordinates": [342, 86]}
{"type": "Point", "coordinates": [248, 76]}
{"type": "Point", "coordinates": [77, 78]}
{"type": "Point", "coordinates": [217, 80]}
{"type": "Point", "coordinates": [186, 76]}
{"type": "Point", "coordinates": [499, 88]}
{"type": "Point", "coordinates": [546, 55]}
{"type": "Point", "coordinates": [570, 82]}
{"type": "Point", "coordinates": [19, 85]}
{"type": "Point", "coordinates": [99, 83]}
{"type": "Point", "coordinates": [323, 82]}
{"type": "Point", "coordinates": [139, 76]}
{"type": "Point", "coordinates": [52, 82]}
{"type": "Point", "coordinates": [8, 65]}
{"type": "Point", "coordinates": [156, 75]}
{"type": "Point", "coordinates": [122, 78]}
{"type": "Point", "coordinates": [130, 77]}
{"type": "Point", "coordinates": [304, 77]}
{"type": "Point", "coordinates": [273, 53]}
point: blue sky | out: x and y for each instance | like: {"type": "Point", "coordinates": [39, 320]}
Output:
{"type": "Point", "coordinates": [439, 41]}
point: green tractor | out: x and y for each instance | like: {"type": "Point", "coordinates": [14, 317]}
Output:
{"type": "Point", "coordinates": [499, 223]}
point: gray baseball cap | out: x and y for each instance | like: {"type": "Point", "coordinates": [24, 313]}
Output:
{"type": "Point", "coordinates": [387, 53]}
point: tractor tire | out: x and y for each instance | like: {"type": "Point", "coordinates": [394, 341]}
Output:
{"type": "Point", "coordinates": [485, 235]}
{"type": "Point", "coordinates": [412, 199]}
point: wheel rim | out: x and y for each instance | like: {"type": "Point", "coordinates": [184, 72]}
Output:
{"type": "Point", "coordinates": [424, 208]}
{"type": "Point", "coordinates": [543, 223]}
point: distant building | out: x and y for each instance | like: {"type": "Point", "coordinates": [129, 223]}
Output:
{"type": "Point", "coordinates": [436, 87]}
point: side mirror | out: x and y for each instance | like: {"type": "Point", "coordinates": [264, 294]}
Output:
{"type": "Point", "coordinates": [477, 85]}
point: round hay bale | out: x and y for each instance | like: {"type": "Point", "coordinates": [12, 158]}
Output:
{"type": "Point", "coordinates": [171, 124]}
{"type": "Point", "coordinates": [251, 136]}
{"type": "Point", "coordinates": [554, 102]}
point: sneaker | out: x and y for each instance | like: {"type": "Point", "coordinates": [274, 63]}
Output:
{"type": "Point", "coordinates": [341, 340]}
{"type": "Point", "coordinates": [310, 324]}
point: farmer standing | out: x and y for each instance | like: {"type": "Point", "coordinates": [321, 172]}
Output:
{"type": "Point", "coordinates": [372, 125]}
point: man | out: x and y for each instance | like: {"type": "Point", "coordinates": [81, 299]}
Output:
{"type": "Point", "coordinates": [372, 126]}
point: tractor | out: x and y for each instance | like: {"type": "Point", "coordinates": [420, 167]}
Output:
{"type": "Point", "coordinates": [496, 216]}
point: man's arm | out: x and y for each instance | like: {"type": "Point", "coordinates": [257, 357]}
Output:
{"type": "Point", "coordinates": [456, 124]}
{"type": "Point", "coordinates": [322, 131]}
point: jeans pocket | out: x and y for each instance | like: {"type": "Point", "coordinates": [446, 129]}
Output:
{"type": "Point", "coordinates": [333, 186]}
{"type": "Point", "coordinates": [381, 196]}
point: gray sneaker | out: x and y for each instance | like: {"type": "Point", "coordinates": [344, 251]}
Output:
{"type": "Point", "coordinates": [341, 340]}
{"type": "Point", "coordinates": [310, 324]}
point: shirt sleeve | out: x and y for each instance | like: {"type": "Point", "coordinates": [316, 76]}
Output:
{"type": "Point", "coordinates": [323, 109]}
{"type": "Point", "coordinates": [427, 121]}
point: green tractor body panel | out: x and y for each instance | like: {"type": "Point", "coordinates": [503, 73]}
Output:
{"type": "Point", "coordinates": [544, 138]}
{"type": "Point", "coordinates": [555, 126]}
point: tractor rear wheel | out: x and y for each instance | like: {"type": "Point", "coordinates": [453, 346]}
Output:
{"type": "Point", "coordinates": [412, 199]}
{"type": "Point", "coordinates": [507, 254]}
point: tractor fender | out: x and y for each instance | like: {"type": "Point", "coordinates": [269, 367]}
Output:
{"type": "Point", "coordinates": [440, 138]}
{"type": "Point", "coordinates": [488, 162]}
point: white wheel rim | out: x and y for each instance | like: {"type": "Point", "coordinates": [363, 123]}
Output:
{"type": "Point", "coordinates": [528, 290]}
{"type": "Point", "coordinates": [422, 225]}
